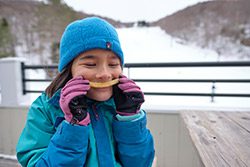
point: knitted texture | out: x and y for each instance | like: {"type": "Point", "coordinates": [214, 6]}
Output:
{"type": "Point", "coordinates": [87, 34]}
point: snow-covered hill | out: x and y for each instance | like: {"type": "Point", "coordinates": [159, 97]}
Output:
{"type": "Point", "coordinates": [223, 26]}
{"type": "Point", "coordinates": [36, 28]}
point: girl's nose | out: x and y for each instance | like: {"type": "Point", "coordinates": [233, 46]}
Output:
{"type": "Point", "coordinates": [103, 74]}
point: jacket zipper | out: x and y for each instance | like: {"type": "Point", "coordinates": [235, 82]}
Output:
{"type": "Point", "coordinates": [94, 108]}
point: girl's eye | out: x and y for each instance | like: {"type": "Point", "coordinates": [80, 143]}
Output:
{"type": "Point", "coordinates": [89, 64]}
{"type": "Point", "coordinates": [114, 64]}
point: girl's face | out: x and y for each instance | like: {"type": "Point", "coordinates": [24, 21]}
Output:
{"type": "Point", "coordinates": [97, 66]}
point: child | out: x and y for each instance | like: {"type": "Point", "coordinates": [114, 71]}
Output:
{"type": "Point", "coordinates": [86, 118]}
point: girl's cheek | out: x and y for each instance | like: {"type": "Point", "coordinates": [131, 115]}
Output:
{"type": "Point", "coordinates": [78, 72]}
{"type": "Point", "coordinates": [117, 73]}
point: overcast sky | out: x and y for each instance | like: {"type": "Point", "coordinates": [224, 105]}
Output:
{"type": "Point", "coordinates": [131, 10]}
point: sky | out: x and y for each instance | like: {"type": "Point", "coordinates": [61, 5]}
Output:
{"type": "Point", "coordinates": [131, 10]}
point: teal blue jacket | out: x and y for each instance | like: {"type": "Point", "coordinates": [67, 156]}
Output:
{"type": "Point", "coordinates": [109, 140]}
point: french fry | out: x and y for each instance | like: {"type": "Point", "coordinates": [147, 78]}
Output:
{"type": "Point", "coordinates": [103, 84]}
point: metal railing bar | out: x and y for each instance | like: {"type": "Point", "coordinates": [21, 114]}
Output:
{"type": "Point", "coordinates": [41, 66]}
{"type": "Point", "coordinates": [192, 80]}
{"type": "Point", "coordinates": [170, 64]}
{"type": "Point", "coordinates": [197, 94]}
{"type": "Point", "coordinates": [34, 91]}
{"type": "Point", "coordinates": [176, 94]}
{"type": "Point", "coordinates": [38, 80]}
{"type": "Point", "coordinates": [189, 64]}
{"type": "Point", "coordinates": [164, 80]}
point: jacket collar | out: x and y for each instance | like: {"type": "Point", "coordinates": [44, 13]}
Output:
{"type": "Point", "coordinates": [54, 100]}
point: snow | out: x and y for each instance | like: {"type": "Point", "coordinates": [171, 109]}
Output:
{"type": "Point", "coordinates": [5, 156]}
{"type": "Point", "coordinates": [152, 44]}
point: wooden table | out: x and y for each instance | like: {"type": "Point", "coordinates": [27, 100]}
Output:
{"type": "Point", "coordinates": [221, 138]}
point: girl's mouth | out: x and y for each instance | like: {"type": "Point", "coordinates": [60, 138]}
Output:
{"type": "Point", "coordinates": [103, 84]}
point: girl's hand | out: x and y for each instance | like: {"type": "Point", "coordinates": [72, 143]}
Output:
{"type": "Point", "coordinates": [73, 101]}
{"type": "Point", "coordinates": [128, 96]}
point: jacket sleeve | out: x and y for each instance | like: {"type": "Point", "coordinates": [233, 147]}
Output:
{"type": "Point", "coordinates": [68, 147]}
{"type": "Point", "coordinates": [40, 144]}
{"type": "Point", "coordinates": [135, 143]}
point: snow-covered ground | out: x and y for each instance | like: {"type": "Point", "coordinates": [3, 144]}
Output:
{"type": "Point", "coordinates": [154, 45]}
{"type": "Point", "coordinates": [10, 157]}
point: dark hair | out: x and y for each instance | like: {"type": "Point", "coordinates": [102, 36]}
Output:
{"type": "Point", "coordinates": [60, 80]}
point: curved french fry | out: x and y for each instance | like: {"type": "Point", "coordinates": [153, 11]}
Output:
{"type": "Point", "coordinates": [103, 84]}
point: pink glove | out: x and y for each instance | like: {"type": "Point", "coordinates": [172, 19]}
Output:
{"type": "Point", "coordinates": [73, 101]}
{"type": "Point", "coordinates": [128, 96]}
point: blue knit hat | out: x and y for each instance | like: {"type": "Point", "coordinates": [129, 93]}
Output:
{"type": "Point", "coordinates": [87, 34]}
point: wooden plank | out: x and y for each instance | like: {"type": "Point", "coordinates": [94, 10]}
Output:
{"type": "Point", "coordinates": [240, 118]}
{"type": "Point", "coordinates": [240, 135]}
{"type": "Point", "coordinates": [221, 138]}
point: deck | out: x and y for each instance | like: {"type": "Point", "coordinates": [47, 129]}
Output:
{"type": "Point", "coordinates": [182, 138]}
{"type": "Point", "coordinates": [221, 138]}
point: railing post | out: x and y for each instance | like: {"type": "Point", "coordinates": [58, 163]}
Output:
{"type": "Point", "coordinates": [11, 83]}
{"type": "Point", "coordinates": [213, 92]}
{"type": "Point", "coordinates": [23, 78]}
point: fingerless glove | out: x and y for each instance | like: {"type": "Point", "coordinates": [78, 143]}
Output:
{"type": "Point", "coordinates": [128, 96]}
